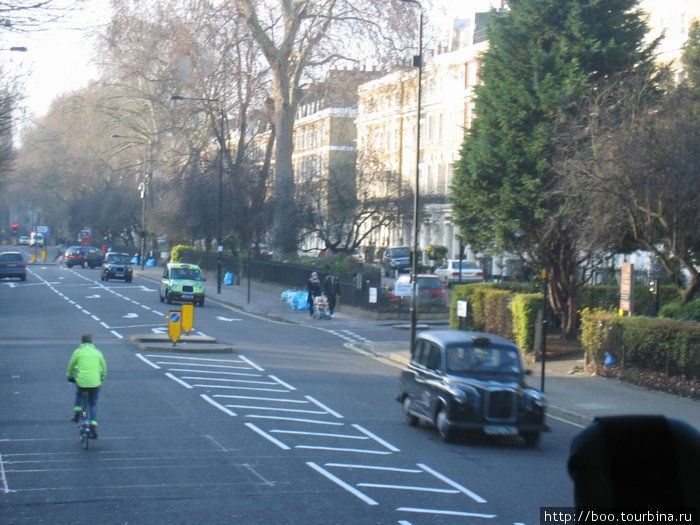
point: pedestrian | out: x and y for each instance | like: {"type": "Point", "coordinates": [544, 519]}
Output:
{"type": "Point", "coordinates": [314, 286]}
{"type": "Point", "coordinates": [87, 369]}
{"type": "Point", "coordinates": [331, 289]}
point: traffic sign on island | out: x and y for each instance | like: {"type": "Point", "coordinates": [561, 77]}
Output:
{"type": "Point", "coordinates": [174, 325]}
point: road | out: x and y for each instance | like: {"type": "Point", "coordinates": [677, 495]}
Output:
{"type": "Point", "coordinates": [296, 426]}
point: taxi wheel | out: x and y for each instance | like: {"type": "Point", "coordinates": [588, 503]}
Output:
{"type": "Point", "coordinates": [168, 299]}
{"type": "Point", "coordinates": [410, 418]}
{"type": "Point", "coordinates": [445, 431]}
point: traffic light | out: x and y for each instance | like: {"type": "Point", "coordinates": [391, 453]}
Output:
{"type": "Point", "coordinates": [15, 228]}
{"type": "Point", "coordinates": [653, 286]}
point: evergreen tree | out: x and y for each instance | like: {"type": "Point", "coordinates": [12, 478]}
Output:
{"type": "Point", "coordinates": [543, 56]}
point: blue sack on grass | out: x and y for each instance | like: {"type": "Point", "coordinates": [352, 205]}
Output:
{"type": "Point", "coordinates": [288, 295]}
{"type": "Point", "coordinates": [151, 262]}
{"type": "Point", "coordinates": [228, 278]}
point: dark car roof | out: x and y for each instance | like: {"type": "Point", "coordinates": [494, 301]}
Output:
{"type": "Point", "coordinates": [449, 337]}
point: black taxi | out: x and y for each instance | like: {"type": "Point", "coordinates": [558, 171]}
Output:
{"type": "Point", "coordinates": [470, 381]}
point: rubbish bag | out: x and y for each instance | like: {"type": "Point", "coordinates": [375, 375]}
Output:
{"type": "Point", "coordinates": [300, 301]}
{"type": "Point", "coordinates": [228, 278]}
{"type": "Point", "coordinates": [609, 359]}
{"type": "Point", "coordinates": [288, 295]}
{"type": "Point", "coordinates": [151, 262]}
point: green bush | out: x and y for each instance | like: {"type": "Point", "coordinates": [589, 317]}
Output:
{"type": "Point", "coordinates": [660, 345]}
{"type": "Point", "coordinates": [524, 308]}
{"type": "Point", "coordinates": [682, 312]}
{"type": "Point", "coordinates": [176, 254]}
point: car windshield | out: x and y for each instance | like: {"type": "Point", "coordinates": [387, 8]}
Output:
{"type": "Point", "coordinates": [463, 359]}
{"type": "Point", "coordinates": [118, 259]}
{"type": "Point", "coordinates": [10, 257]}
{"type": "Point", "coordinates": [428, 282]}
{"type": "Point", "coordinates": [190, 274]}
{"type": "Point", "coordinates": [399, 252]}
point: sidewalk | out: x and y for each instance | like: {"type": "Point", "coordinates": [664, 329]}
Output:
{"type": "Point", "coordinates": [570, 392]}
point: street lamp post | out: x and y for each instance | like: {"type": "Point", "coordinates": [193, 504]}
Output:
{"type": "Point", "coordinates": [417, 61]}
{"type": "Point", "coordinates": [220, 246]}
{"type": "Point", "coordinates": [143, 191]}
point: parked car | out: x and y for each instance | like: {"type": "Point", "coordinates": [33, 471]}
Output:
{"type": "Point", "coordinates": [470, 381]}
{"type": "Point", "coordinates": [24, 239]}
{"type": "Point", "coordinates": [117, 266]}
{"type": "Point", "coordinates": [396, 260]}
{"type": "Point", "coordinates": [431, 292]}
{"type": "Point", "coordinates": [183, 283]}
{"type": "Point", "coordinates": [12, 265]}
{"type": "Point", "coordinates": [449, 272]}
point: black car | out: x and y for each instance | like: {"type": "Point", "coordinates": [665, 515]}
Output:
{"type": "Point", "coordinates": [396, 260]}
{"type": "Point", "coordinates": [117, 266]}
{"type": "Point", "coordinates": [470, 381]}
{"type": "Point", "coordinates": [92, 256]}
{"type": "Point", "coordinates": [83, 256]}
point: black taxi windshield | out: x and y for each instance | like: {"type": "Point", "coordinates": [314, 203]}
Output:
{"type": "Point", "coordinates": [468, 359]}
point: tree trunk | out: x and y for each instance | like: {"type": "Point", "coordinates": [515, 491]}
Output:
{"type": "Point", "coordinates": [284, 218]}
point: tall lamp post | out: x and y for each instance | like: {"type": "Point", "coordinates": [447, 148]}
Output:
{"type": "Point", "coordinates": [418, 62]}
{"type": "Point", "coordinates": [143, 190]}
{"type": "Point", "coordinates": [220, 247]}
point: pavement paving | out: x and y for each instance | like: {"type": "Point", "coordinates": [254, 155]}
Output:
{"type": "Point", "coordinates": [571, 393]}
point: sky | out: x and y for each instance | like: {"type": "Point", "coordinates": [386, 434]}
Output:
{"type": "Point", "coordinates": [60, 59]}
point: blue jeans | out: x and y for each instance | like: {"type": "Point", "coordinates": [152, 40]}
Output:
{"type": "Point", "coordinates": [93, 394]}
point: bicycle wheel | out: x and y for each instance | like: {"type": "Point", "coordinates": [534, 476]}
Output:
{"type": "Point", "coordinates": [85, 437]}
{"type": "Point", "coordinates": [85, 422]}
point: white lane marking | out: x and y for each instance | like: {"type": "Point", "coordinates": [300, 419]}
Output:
{"type": "Point", "coordinates": [116, 334]}
{"type": "Point", "coordinates": [258, 398]}
{"type": "Point", "coordinates": [227, 319]}
{"type": "Point", "coordinates": [130, 315]}
{"type": "Point", "coordinates": [283, 383]}
{"type": "Point", "coordinates": [217, 405]}
{"type": "Point", "coordinates": [147, 361]}
{"type": "Point", "coordinates": [216, 372]}
{"type": "Point", "coordinates": [319, 434]}
{"type": "Point", "coordinates": [341, 483]}
{"type": "Point", "coordinates": [376, 438]}
{"type": "Point", "coordinates": [178, 380]}
{"type": "Point", "coordinates": [454, 484]}
{"type": "Point", "coordinates": [267, 436]}
{"type": "Point", "coordinates": [340, 449]}
{"type": "Point", "coordinates": [324, 407]}
{"type": "Point", "coordinates": [407, 487]}
{"type": "Point", "coordinates": [277, 409]}
{"type": "Point", "coordinates": [245, 359]}
{"type": "Point", "coordinates": [3, 478]}
{"type": "Point", "coordinates": [297, 420]}
{"type": "Point", "coordinates": [376, 467]}
{"type": "Point", "coordinates": [447, 512]}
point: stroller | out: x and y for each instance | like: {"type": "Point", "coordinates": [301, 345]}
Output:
{"type": "Point", "coordinates": [321, 309]}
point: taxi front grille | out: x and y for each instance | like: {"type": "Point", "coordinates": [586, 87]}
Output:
{"type": "Point", "coordinates": [187, 289]}
{"type": "Point", "coordinates": [500, 406]}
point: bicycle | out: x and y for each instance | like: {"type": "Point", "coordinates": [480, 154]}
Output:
{"type": "Point", "coordinates": [84, 425]}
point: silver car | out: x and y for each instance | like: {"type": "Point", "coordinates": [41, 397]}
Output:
{"type": "Point", "coordinates": [449, 273]}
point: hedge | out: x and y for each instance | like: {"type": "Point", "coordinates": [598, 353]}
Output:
{"type": "Point", "coordinates": [664, 345]}
{"type": "Point", "coordinates": [497, 309]}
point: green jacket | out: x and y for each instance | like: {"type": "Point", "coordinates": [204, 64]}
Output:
{"type": "Point", "coordinates": [88, 366]}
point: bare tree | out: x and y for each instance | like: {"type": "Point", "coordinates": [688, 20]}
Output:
{"type": "Point", "coordinates": [299, 39]}
{"type": "Point", "coordinates": [635, 175]}
{"type": "Point", "coordinates": [342, 211]}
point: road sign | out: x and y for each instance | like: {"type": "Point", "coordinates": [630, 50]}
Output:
{"type": "Point", "coordinates": [174, 325]}
{"type": "Point", "coordinates": [402, 289]}
{"type": "Point", "coordinates": [187, 317]}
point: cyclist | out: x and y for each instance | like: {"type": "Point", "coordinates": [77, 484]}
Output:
{"type": "Point", "coordinates": [87, 369]}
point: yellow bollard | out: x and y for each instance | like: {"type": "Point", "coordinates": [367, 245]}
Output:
{"type": "Point", "coordinates": [43, 255]}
